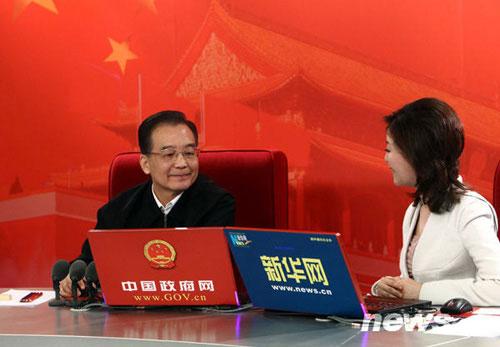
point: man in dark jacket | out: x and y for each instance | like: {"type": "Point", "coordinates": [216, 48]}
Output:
{"type": "Point", "coordinates": [175, 196]}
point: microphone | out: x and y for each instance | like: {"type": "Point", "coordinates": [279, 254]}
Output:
{"type": "Point", "coordinates": [91, 279]}
{"type": "Point", "coordinates": [59, 272]}
{"type": "Point", "coordinates": [76, 273]}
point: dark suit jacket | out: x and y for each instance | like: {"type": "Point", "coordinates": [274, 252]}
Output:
{"type": "Point", "coordinates": [202, 204]}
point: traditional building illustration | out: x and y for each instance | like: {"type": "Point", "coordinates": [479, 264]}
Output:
{"type": "Point", "coordinates": [257, 86]}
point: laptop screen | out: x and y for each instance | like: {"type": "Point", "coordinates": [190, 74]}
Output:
{"type": "Point", "coordinates": [185, 266]}
{"type": "Point", "coordinates": [295, 271]}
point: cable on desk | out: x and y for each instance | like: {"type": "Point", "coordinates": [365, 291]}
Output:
{"type": "Point", "coordinates": [87, 307]}
{"type": "Point", "coordinates": [241, 308]}
{"type": "Point", "coordinates": [345, 320]}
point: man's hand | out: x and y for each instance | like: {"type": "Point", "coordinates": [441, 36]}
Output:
{"type": "Point", "coordinates": [389, 286]}
{"type": "Point", "coordinates": [65, 287]}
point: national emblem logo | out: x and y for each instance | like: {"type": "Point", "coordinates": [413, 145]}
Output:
{"type": "Point", "coordinates": [160, 254]}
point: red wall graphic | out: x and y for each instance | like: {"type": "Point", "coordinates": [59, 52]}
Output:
{"type": "Point", "coordinates": [312, 79]}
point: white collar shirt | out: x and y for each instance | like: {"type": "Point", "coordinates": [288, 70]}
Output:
{"type": "Point", "coordinates": [169, 205]}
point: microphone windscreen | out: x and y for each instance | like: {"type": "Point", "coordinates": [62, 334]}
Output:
{"type": "Point", "coordinates": [60, 270]}
{"type": "Point", "coordinates": [77, 270]}
{"type": "Point", "coordinates": [91, 273]}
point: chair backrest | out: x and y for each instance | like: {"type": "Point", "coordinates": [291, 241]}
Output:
{"type": "Point", "coordinates": [258, 180]}
{"type": "Point", "coordinates": [496, 192]}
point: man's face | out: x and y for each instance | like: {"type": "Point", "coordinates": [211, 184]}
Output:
{"type": "Point", "coordinates": [170, 170]}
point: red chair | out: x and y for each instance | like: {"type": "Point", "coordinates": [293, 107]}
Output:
{"type": "Point", "coordinates": [258, 180]}
{"type": "Point", "coordinates": [496, 192]}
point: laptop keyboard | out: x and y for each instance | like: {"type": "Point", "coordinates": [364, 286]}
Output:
{"type": "Point", "coordinates": [377, 304]}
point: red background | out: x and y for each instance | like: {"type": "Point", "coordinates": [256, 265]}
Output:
{"type": "Point", "coordinates": [310, 78]}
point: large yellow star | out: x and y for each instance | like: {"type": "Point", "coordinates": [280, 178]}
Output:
{"type": "Point", "coordinates": [121, 54]}
{"type": "Point", "coordinates": [20, 6]}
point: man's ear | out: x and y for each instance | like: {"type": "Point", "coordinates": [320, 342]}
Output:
{"type": "Point", "coordinates": [144, 161]}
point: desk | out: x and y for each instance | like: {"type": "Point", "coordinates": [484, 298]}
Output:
{"type": "Point", "coordinates": [46, 326]}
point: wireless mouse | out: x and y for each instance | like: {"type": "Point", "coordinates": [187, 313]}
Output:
{"type": "Point", "coordinates": [456, 306]}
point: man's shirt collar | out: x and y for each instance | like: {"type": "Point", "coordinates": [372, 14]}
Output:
{"type": "Point", "coordinates": [169, 205]}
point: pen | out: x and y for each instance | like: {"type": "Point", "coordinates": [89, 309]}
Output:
{"type": "Point", "coordinates": [31, 297]}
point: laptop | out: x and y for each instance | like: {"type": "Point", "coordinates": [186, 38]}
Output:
{"type": "Point", "coordinates": [303, 272]}
{"type": "Point", "coordinates": [163, 267]}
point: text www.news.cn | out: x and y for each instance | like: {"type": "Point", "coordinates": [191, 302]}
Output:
{"type": "Point", "coordinates": [301, 290]}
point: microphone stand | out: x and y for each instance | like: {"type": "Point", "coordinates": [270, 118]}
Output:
{"type": "Point", "coordinates": [74, 293]}
{"type": "Point", "coordinates": [76, 273]}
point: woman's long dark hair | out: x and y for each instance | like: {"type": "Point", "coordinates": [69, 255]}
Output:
{"type": "Point", "coordinates": [431, 137]}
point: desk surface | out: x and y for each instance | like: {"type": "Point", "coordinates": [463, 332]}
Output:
{"type": "Point", "coordinates": [39, 326]}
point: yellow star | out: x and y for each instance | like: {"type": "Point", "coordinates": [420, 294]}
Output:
{"type": "Point", "coordinates": [150, 4]}
{"type": "Point", "coordinates": [20, 6]}
{"type": "Point", "coordinates": [121, 53]}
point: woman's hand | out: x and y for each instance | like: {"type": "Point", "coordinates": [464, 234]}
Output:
{"type": "Point", "coordinates": [389, 286]}
{"type": "Point", "coordinates": [411, 288]}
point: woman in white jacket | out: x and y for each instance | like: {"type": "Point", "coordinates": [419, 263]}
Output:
{"type": "Point", "coordinates": [450, 245]}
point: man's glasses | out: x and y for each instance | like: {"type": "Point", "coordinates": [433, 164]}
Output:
{"type": "Point", "coordinates": [170, 155]}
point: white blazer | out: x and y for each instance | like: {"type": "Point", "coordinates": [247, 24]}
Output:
{"type": "Point", "coordinates": [458, 254]}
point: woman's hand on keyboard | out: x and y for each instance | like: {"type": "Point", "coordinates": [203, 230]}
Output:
{"type": "Point", "coordinates": [389, 286]}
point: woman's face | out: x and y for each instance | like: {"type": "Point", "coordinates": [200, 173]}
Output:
{"type": "Point", "coordinates": [403, 173]}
